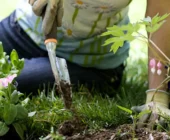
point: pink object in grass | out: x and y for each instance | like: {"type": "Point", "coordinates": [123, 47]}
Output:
{"type": "Point", "coordinates": [5, 81]}
{"type": "Point", "coordinates": [11, 77]}
{"type": "Point", "coordinates": [159, 65]}
{"type": "Point", "coordinates": [152, 63]}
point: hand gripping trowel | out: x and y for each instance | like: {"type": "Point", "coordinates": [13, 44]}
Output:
{"type": "Point", "coordinates": [59, 68]}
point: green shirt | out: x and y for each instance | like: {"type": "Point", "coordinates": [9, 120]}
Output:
{"type": "Point", "coordinates": [79, 39]}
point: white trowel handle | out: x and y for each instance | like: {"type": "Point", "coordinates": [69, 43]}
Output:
{"type": "Point", "coordinates": [51, 45]}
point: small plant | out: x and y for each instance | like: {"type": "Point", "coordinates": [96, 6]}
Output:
{"type": "Point", "coordinates": [134, 116]}
{"type": "Point", "coordinates": [12, 112]}
{"type": "Point", "coordinates": [120, 34]}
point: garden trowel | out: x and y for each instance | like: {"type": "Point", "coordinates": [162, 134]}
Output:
{"type": "Point", "coordinates": [59, 68]}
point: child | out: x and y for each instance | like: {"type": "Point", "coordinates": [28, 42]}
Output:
{"type": "Point", "coordinates": [79, 42]}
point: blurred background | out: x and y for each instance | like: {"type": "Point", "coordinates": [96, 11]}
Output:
{"type": "Point", "coordinates": [136, 69]}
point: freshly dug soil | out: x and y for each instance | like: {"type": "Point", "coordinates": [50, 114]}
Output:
{"type": "Point", "coordinates": [74, 130]}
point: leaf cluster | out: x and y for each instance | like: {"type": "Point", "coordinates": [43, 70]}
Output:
{"type": "Point", "coordinates": [12, 112]}
{"type": "Point", "coordinates": [12, 66]}
{"type": "Point", "coordinates": [119, 34]}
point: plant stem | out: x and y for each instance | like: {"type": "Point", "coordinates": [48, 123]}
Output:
{"type": "Point", "coordinates": [159, 49]}
{"type": "Point", "coordinates": [154, 45]}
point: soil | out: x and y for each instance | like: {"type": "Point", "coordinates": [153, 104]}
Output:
{"type": "Point", "coordinates": [74, 130]}
{"type": "Point", "coordinates": [66, 94]}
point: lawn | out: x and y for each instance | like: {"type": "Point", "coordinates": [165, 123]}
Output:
{"type": "Point", "coordinates": [95, 114]}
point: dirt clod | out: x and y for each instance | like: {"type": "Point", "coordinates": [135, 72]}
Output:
{"type": "Point", "coordinates": [72, 127]}
{"type": "Point", "coordinates": [66, 95]}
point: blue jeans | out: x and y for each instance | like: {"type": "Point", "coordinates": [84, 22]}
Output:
{"type": "Point", "coordinates": [37, 70]}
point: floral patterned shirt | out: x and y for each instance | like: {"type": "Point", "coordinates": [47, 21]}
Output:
{"type": "Point", "coordinates": [79, 39]}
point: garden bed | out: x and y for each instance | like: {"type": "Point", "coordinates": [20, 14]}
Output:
{"type": "Point", "coordinates": [122, 132]}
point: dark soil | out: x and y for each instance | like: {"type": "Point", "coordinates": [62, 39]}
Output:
{"type": "Point", "coordinates": [66, 94]}
{"type": "Point", "coordinates": [74, 130]}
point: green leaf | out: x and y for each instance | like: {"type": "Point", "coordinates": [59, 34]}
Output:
{"type": "Point", "coordinates": [1, 50]}
{"type": "Point", "coordinates": [156, 19]}
{"type": "Point", "coordinates": [6, 68]}
{"type": "Point", "coordinates": [106, 33]}
{"type": "Point", "coordinates": [156, 27]}
{"type": "Point", "coordinates": [131, 28]}
{"type": "Point", "coordinates": [149, 29]}
{"type": "Point", "coordinates": [22, 113]}
{"type": "Point", "coordinates": [125, 109]}
{"type": "Point", "coordinates": [2, 93]}
{"type": "Point", "coordinates": [155, 23]}
{"type": "Point", "coordinates": [1, 111]}
{"type": "Point", "coordinates": [14, 56]}
{"type": "Point", "coordinates": [163, 17]}
{"type": "Point", "coordinates": [19, 130]}
{"type": "Point", "coordinates": [115, 31]}
{"type": "Point", "coordinates": [109, 41]}
{"type": "Point", "coordinates": [116, 46]}
{"type": "Point", "coordinates": [3, 128]}
{"type": "Point", "coordinates": [128, 37]}
{"type": "Point", "coordinates": [143, 113]}
{"type": "Point", "coordinates": [20, 64]}
{"type": "Point", "coordinates": [15, 63]}
{"type": "Point", "coordinates": [10, 112]}
{"type": "Point", "coordinates": [118, 41]}
{"type": "Point", "coordinates": [14, 97]}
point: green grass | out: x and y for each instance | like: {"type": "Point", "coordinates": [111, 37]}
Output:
{"type": "Point", "coordinates": [48, 112]}
{"type": "Point", "coordinates": [92, 109]}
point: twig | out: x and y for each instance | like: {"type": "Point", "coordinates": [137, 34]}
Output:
{"type": "Point", "coordinates": [159, 49]}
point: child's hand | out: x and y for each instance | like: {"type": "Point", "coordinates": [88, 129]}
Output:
{"type": "Point", "coordinates": [157, 102]}
{"type": "Point", "coordinates": [51, 10]}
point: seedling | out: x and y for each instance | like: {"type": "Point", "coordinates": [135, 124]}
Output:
{"type": "Point", "coordinates": [134, 116]}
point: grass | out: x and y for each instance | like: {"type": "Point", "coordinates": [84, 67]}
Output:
{"type": "Point", "coordinates": [48, 112]}
{"type": "Point", "coordinates": [93, 109]}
